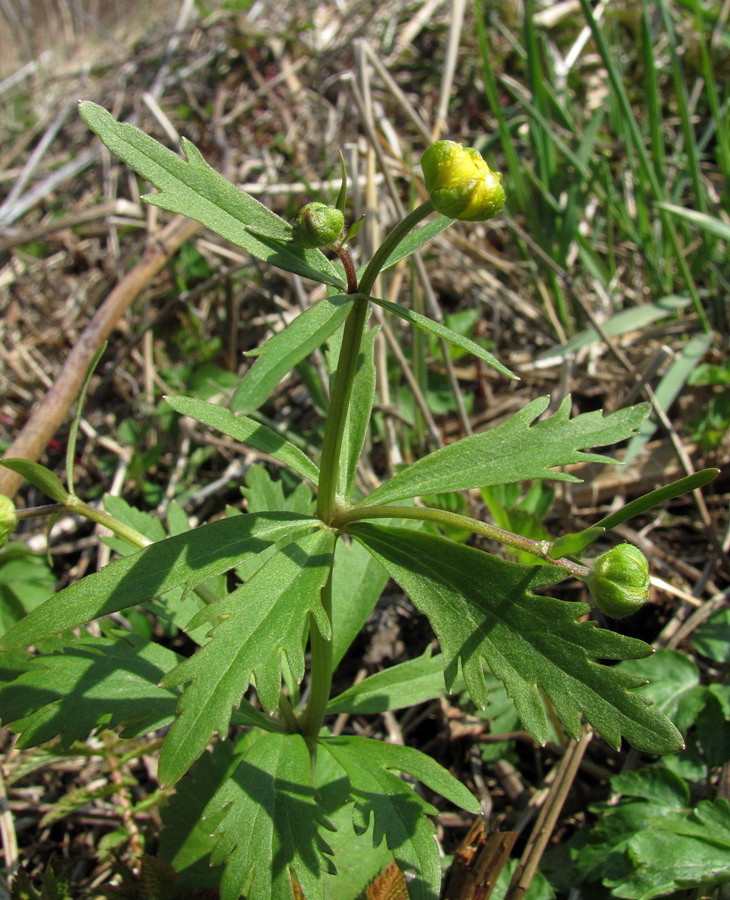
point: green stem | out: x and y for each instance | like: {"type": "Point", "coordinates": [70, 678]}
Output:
{"type": "Point", "coordinates": [441, 517]}
{"type": "Point", "coordinates": [321, 670]}
{"type": "Point", "coordinates": [347, 365]}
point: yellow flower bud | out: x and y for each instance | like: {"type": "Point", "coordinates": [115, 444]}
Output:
{"type": "Point", "coordinates": [619, 581]}
{"type": "Point", "coordinates": [8, 519]}
{"type": "Point", "coordinates": [460, 183]}
{"type": "Point", "coordinates": [317, 225]}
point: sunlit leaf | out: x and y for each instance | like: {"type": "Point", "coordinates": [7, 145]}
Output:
{"type": "Point", "coordinates": [481, 610]}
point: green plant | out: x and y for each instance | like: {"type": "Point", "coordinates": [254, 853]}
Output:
{"type": "Point", "coordinates": [276, 800]}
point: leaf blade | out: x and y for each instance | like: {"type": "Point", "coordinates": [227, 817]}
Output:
{"type": "Point", "coordinates": [260, 621]}
{"type": "Point", "coordinates": [526, 640]}
{"type": "Point", "coordinates": [516, 450]}
{"type": "Point", "coordinates": [191, 557]}
{"type": "Point", "coordinates": [446, 334]}
{"type": "Point", "coordinates": [247, 431]}
{"type": "Point", "coordinates": [270, 823]}
{"type": "Point", "coordinates": [192, 188]}
{"type": "Point", "coordinates": [284, 350]}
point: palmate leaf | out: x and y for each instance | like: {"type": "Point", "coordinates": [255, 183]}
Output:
{"type": "Point", "coordinates": [270, 823]}
{"type": "Point", "coordinates": [90, 683]}
{"type": "Point", "coordinates": [482, 610]}
{"type": "Point", "coordinates": [193, 188]}
{"type": "Point", "coordinates": [399, 813]}
{"type": "Point", "coordinates": [247, 431]}
{"type": "Point", "coordinates": [516, 450]}
{"type": "Point", "coordinates": [287, 348]}
{"type": "Point", "coordinates": [264, 618]}
{"type": "Point", "coordinates": [189, 558]}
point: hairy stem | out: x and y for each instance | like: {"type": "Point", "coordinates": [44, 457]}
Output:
{"type": "Point", "coordinates": [540, 549]}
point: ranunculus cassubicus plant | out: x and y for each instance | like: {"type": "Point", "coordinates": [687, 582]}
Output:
{"type": "Point", "coordinates": [307, 581]}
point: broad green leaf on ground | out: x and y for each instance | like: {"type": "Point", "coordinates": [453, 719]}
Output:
{"type": "Point", "coordinates": [247, 431]}
{"type": "Point", "coordinates": [516, 450]}
{"type": "Point", "coordinates": [185, 839]}
{"type": "Point", "coordinates": [445, 333]}
{"type": "Point", "coordinates": [288, 347]}
{"type": "Point", "coordinates": [358, 415]}
{"type": "Point", "coordinates": [628, 320]}
{"type": "Point", "coordinates": [396, 687]}
{"type": "Point", "coordinates": [270, 823]}
{"type": "Point", "coordinates": [481, 608]}
{"type": "Point", "coordinates": [678, 851]}
{"type": "Point", "coordinates": [670, 386]}
{"type": "Point", "coordinates": [39, 476]}
{"type": "Point", "coordinates": [398, 812]}
{"type": "Point", "coordinates": [25, 583]}
{"type": "Point", "coordinates": [188, 558]}
{"type": "Point", "coordinates": [357, 583]}
{"type": "Point", "coordinates": [598, 853]}
{"type": "Point", "coordinates": [191, 187]}
{"type": "Point", "coordinates": [539, 889]}
{"type": "Point", "coordinates": [673, 685]}
{"type": "Point", "coordinates": [91, 683]}
{"type": "Point", "coordinates": [263, 619]}
{"type": "Point", "coordinates": [712, 637]}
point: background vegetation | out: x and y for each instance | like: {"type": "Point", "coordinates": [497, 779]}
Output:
{"type": "Point", "coordinates": [606, 279]}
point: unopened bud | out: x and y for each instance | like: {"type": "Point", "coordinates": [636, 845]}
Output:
{"type": "Point", "coordinates": [460, 183]}
{"type": "Point", "coordinates": [317, 225]}
{"type": "Point", "coordinates": [619, 581]}
{"type": "Point", "coordinates": [8, 519]}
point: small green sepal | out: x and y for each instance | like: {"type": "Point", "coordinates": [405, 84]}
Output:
{"type": "Point", "coordinates": [619, 581]}
{"type": "Point", "coordinates": [460, 183]}
{"type": "Point", "coordinates": [354, 228]}
{"type": "Point", "coordinates": [317, 225]}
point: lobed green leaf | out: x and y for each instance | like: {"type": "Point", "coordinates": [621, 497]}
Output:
{"type": "Point", "coordinates": [265, 618]}
{"type": "Point", "coordinates": [247, 431]}
{"type": "Point", "coordinates": [189, 558]}
{"type": "Point", "coordinates": [516, 450]}
{"type": "Point", "coordinates": [269, 824]}
{"type": "Point", "coordinates": [481, 609]}
{"type": "Point", "coordinates": [284, 350]}
{"type": "Point", "coordinates": [191, 187]}
{"type": "Point", "coordinates": [398, 812]}
{"type": "Point", "coordinates": [89, 683]}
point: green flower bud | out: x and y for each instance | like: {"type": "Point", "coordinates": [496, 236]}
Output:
{"type": "Point", "coordinates": [8, 519]}
{"type": "Point", "coordinates": [317, 225]}
{"type": "Point", "coordinates": [461, 185]}
{"type": "Point", "coordinates": [619, 581]}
